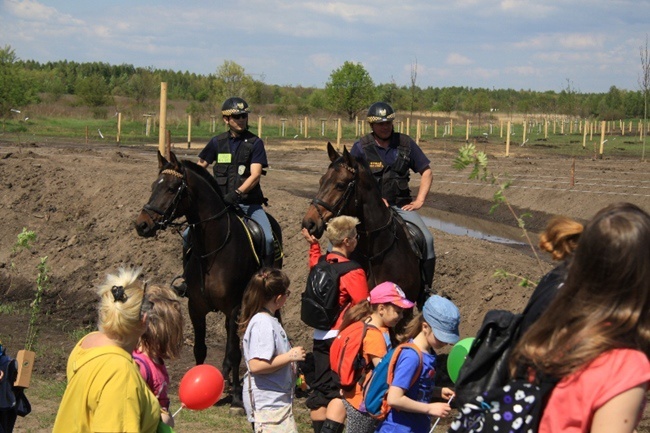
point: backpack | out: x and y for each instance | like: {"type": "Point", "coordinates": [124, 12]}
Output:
{"type": "Point", "coordinates": [376, 388]}
{"type": "Point", "coordinates": [486, 364]}
{"type": "Point", "coordinates": [320, 301]}
{"type": "Point", "coordinates": [516, 407]}
{"type": "Point", "coordinates": [346, 357]}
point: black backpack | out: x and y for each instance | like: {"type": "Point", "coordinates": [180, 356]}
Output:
{"type": "Point", "coordinates": [515, 407]}
{"type": "Point", "coordinates": [320, 300]}
{"type": "Point", "coordinates": [486, 365]}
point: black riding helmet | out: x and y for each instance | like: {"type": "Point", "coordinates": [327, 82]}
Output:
{"type": "Point", "coordinates": [234, 105]}
{"type": "Point", "coordinates": [380, 112]}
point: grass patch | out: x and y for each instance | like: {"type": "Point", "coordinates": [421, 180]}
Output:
{"type": "Point", "coordinates": [78, 333]}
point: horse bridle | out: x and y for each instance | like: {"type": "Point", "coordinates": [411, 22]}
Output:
{"type": "Point", "coordinates": [168, 214]}
{"type": "Point", "coordinates": [341, 202]}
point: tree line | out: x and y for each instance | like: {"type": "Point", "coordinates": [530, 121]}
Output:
{"type": "Point", "coordinates": [348, 92]}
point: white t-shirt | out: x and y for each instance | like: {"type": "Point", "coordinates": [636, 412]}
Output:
{"type": "Point", "coordinates": [265, 339]}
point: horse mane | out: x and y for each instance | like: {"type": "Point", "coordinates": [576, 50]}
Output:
{"type": "Point", "coordinates": [204, 174]}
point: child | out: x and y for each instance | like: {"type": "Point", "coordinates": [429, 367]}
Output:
{"type": "Point", "coordinates": [323, 401]}
{"type": "Point", "coordinates": [270, 359]}
{"type": "Point", "coordinates": [162, 340]}
{"type": "Point", "coordinates": [595, 335]}
{"type": "Point", "coordinates": [432, 329]}
{"type": "Point", "coordinates": [105, 390]}
{"type": "Point", "coordinates": [383, 310]}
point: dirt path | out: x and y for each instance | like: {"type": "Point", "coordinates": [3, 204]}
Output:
{"type": "Point", "coordinates": [81, 201]}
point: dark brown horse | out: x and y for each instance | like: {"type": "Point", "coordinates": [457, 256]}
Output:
{"type": "Point", "coordinates": [384, 251]}
{"type": "Point", "coordinates": [223, 258]}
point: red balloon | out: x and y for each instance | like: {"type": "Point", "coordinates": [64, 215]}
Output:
{"type": "Point", "coordinates": [201, 387]}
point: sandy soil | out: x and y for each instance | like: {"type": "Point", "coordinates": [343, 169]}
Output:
{"type": "Point", "coordinates": [82, 201]}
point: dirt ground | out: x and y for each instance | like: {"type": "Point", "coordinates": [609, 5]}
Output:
{"type": "Point", "coordinates": [81, 200]}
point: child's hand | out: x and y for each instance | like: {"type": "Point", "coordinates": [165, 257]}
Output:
{"type": "Point", "coordinates": [308, 236]}
{"type": "Point", "coordinates": [438, 409]}
{"type": "Point", "coordinates": [447, 393]}
{"type": "Point", "coordinates": [297, 354]}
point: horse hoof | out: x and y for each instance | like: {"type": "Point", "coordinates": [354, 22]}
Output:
{"type": "Point", "coordinates": [237, 411]}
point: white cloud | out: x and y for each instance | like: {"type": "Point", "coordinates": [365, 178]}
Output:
{"type": "Point", "coordinates": [529, 8]}
{"type": "Point", "coordinates": [456, 59]}
{"type": "Point", "coordinates": [31, 10]}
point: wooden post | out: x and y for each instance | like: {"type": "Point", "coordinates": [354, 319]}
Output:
{"type": "Point", "coordinates": [259, 126]}
{"type": "Point", "coordinates": [322, 127]}
{"type": "Point", "coordinates": [602, 139]}
{"type": "Point", "coordinates": [591, 131]}
{"type": "Point", "coordinates": [554, 125]}
{"type": "Point", "coordinates": [189, 131]}
{"type": "Point", "coordinates": [584, 135]}
{"type": "Point", "coordinates": [570, 126]}
{"type": "Point", "coordinates": [339, 130]}
{"type": "Point", "coordinates": [435, 128]}
{"type": "Point", "coordinates": [451, 127]}
{"type": "Point", "coordinates": [501, 128]}
{"type": "Point", "coordinates": [418, 131]}
{"type": "Point", "coordinates": [523, 139]}
{"type": "Point", "coordinates": [408, 126]}
{"type": "Point", "coordinates": [467, 130]}
{"type": "Point", "coordinates": [119, 127]}
{"type": "Point", "coordinates": [162, 131]}
{"type": "Point", "coordinates": [562, 127]}
{"type": "Point", "coordinates": [545, 128]}
{"type": "Point", "coordinates": [508, 139]}
{"type": "Point", "coordinates": [283, 122]}
{"type": "Point", "coordinates": [306, 126]}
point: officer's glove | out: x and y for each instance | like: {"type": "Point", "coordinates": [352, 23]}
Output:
{"type": "Point", "coordinates": [232, 198]}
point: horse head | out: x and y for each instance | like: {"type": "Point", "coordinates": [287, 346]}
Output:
{"type": "Point", "coordinates": [167, 192]}
{"type": "Point", "coordinates": [337, 193]}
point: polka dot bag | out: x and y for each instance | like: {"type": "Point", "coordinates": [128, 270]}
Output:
{"type": "Point", "coordinates": [516, 407]}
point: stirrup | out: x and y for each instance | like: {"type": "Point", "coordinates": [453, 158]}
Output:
{"type": "Point", "coordinates": [181, 288]}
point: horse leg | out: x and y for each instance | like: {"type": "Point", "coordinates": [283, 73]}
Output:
{"type": "Point", "coordinates": [198, 323]}
{"type": "Point", "coordinates": [233, 360]}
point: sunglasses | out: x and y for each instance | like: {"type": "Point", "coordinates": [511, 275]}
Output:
{"type": "Point", "coordinates": [239, 116]}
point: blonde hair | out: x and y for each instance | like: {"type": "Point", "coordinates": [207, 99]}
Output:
{"type": "Point", "coordinates": [120, 304]}
{"type": "Point", "coordinates": [604, 302]}
{"type": "Point", "coordinates": [341, 227]}
{"type": "Point", "coordinates": [560, 238]}
{"type": "Point", "coordinates": [163, 338]}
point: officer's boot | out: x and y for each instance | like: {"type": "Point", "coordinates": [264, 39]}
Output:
{"type": "Point", "coordinates": [181, 288]}
{"type": "Point", "coordinates": [428, 270]}
{"type": "Point", "coordinates": [330, 426]}
{"type": "Point", "coordinates": [317, 425]}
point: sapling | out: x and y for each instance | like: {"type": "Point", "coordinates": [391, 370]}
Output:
{"type": "Point", "coordinates": [469, 156]}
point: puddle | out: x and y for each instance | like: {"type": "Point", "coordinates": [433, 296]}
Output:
{"type": "Point", "coordinates": [473, 227]}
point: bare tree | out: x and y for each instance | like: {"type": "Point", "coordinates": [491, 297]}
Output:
{"type": "Point", "coordinates": [644, 83]}
{"type": "Point", "coordinates": [414, 78]}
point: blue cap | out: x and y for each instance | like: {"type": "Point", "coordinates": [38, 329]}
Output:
{"type": "Point", "coordinates": [443, 317]}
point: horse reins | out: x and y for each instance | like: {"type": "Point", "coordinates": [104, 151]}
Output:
{"type": "Point", "coordinates": [342, 202]}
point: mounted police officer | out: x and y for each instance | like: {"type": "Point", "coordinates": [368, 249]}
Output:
{"type": "Point", "coordinates": [391, 156]}
{"type": "Point", "coordinates": [240, 160]}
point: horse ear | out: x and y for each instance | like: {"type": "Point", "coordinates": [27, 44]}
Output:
{"type": "Point", "coordinates": [347, 156]}
{"type": "Point", "coordinates": [332, 153]}
{"type": "Point", "coordinates": [173, 160]}
{"type": "Point", "coordinates": [161, 161]}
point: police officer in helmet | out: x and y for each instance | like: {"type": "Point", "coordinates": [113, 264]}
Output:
{"type": "Point", "coordinates": [391, 156]}
{"type": "Point", "coordinates": [240, 159]}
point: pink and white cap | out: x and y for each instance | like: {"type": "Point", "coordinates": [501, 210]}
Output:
{"type": "Point", "coordinates": [388, 292]}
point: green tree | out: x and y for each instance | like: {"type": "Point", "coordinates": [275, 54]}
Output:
{"type": "Point", "coordinates": [231, 80]}
{"type": "Point", "coordinates": [92, 90]}
{"type": "Point", "coordinates": [15, 88]}
{"type": "Point", "coordinates": [142, 86]}
{"type": "Point", "coordinates": [447, 101]}
{"type": "Point", "coordinates": [478, 103]}
{"type": "Point", "coordinates": [350, 89]}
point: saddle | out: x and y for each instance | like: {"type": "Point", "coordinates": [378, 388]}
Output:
{"type": "Point", "coordinates": [258, 240]}
{"type": "Point", "coordinates": [415, 236]}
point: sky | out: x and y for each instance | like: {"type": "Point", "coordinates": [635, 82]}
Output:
{"type": "Point", "coordinates": [589, 45]}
